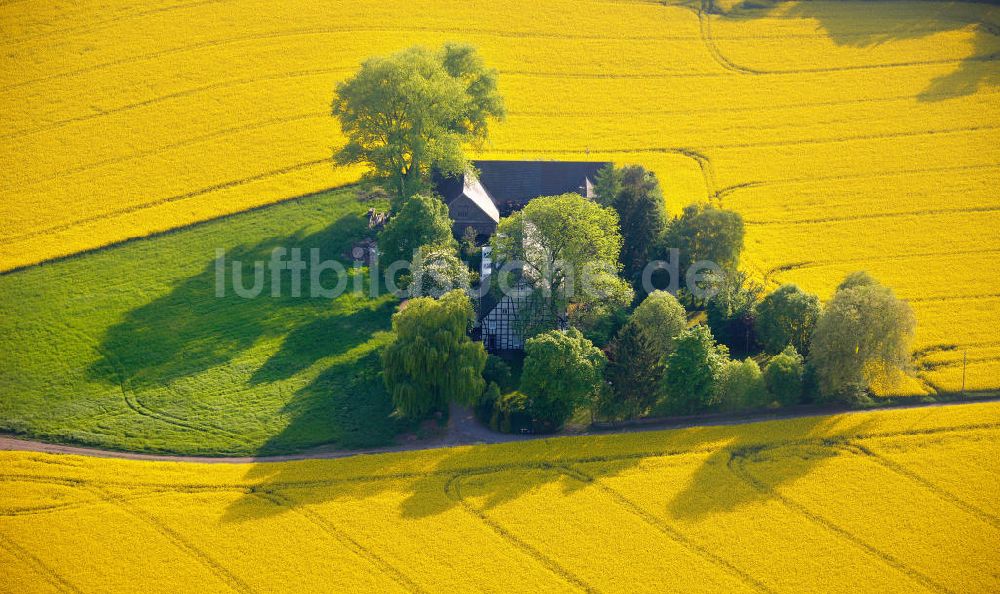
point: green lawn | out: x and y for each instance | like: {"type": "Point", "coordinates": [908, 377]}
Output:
{"type": "Point", "coordinates": [130, 348]}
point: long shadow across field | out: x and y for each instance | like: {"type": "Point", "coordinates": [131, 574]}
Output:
{"type": "Point", "coordinates": [862, 28]}
{"type": "Point", "coordinates": [572, 465]}
{"type": "Point", "coordinates": [192, 332]}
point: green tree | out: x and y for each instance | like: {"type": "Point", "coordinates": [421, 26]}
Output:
{"type": "Point", "coordinates": [598, 321]}
{"type": "Point", "coordinates": [642, 215]}
{"type": "Point", "coordinates": [862, 336]}
{"type": "Point", "coordinates": [412, 111]}
{"type": "Point", "coordinates": [431, 361]}
{"type": "Point", "coordinates": [859, 278]}
{"type": "Point", "coordinates": [437, 270]}
{"type": "Point", "coordinates": [691, 371]}
{"type": "Point", "coordinates": [740, 385]}
{"type": "Point", "coordinates": [569, 247]}
{"type": "Point", "coordinates": [423, 221]}
{"type": "Point", "coordinates": [663, 317]}
{"type": "Point", "coordinates": [607, 185]}
{"type": "Point", "coordinates": [705, 232]}
{"type": "Point", "coordinates": [731, 310]}
{"type": "Point", "coordinates": [783, 376]}
{"type": "Point", "coordinates": [786, 317]}
{"type": "Point", "coordinates": [561, 371]}
{"type": "Point", "coordinates": [634, 372]}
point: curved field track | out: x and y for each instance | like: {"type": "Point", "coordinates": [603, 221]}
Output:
{"type": "Point", "coordinates": [852, 134]}
{"type": "Point", "coordinates": [890, 501]}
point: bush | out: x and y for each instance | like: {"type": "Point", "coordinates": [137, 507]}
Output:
{"type": "Point", "coordinates": [513, 414]}
{"type": "Point", "coordinates": [783, 376]}
{"type": "Point", "coordinates": [740, 386]}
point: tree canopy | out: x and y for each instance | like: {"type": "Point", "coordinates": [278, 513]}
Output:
{"type": "Point", "coordinates": [437, 270]}
{"type": "Point", "coordinates": [423, 221]}
{"type": "Point", "coordinates": [431, 361]}
{"type": "Point", "coordinates": [785, 318]}
{"type": "Point", "coordinates": [740, 385]}
{"type": "Point", "coordinates": [634, 372]}
{"type": "Point", "coordinates": [705, 232]}
{"type": "Point", "coordinates": [663, 317]}
{"type": "Point", "coordinates": [692, 370]}
{"type": "Point", "coordinates": [569, 247]}
{"type": "Point", "coordinates": [412, 111]}
{"type": "Point", "coordinates": [731, 310]}
{"type": "Point", "coordinates": [783, 376]}
{"type": "Point", "coordinates": [862, 336]}
{"type": "Point", "coordinates": [561, 371]}
{"type": "Point", "coordinates": [642, 215]}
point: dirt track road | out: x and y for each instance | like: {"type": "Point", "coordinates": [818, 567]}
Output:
{"type": "Point", "coordinates": [463, 429]}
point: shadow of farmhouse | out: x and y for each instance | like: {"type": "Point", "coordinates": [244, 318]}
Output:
{"type": "Point", "coordinates": [191, 330]}
{"type": "Point", "coordinates": [887, 22]}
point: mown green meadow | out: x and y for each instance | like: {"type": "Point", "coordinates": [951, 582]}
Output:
{"type": "Point", "coordinates": [129, 347]}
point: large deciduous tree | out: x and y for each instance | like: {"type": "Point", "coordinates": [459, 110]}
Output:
{"type": "Point", "coordinates": [561, 370]}
{"type": "Point", "coordinates": [431, 361]}
{"type": "Point", "coordinates": [663, 317]}
{"type": "Point", "coordinates": [692, 370]}
{"type": "Point", "coordinates": [569, 247]}
{"type": "Point", "coordinates": [862, 337]}
{"type": "Point", "coordinates": [412, 111]}
{"type": "Point", "coordinates": [705, 232]}
{"type": "Point", "coordinates": [785, 318]}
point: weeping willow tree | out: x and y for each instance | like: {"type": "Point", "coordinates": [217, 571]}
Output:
{"type": "Point", "coordinates": [432, 361]}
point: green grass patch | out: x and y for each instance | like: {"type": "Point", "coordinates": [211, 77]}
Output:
{"type": "Point", "coordinates": [130, 348]}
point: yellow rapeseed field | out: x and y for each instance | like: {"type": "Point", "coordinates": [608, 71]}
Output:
{"type": "Point", "coordinates": [892, 501]}
{"type": "Point", "coordinates": [850, 134]}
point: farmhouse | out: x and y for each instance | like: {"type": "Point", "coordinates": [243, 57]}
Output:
{"type": "Point", "coordinates": [495, 189]}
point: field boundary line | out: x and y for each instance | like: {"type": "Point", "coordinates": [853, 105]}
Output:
{"type": "Point", "coordinates": [665, 528]}
{"type": "Point", "coordinates": [453, 491]}
{"type": "Point", "coordinates": [274, 497]}
{"type": "Point", "coordinates": [941, 492]}
{"type": "Point", "coordinates": [13, 443]}
{"type": "Point", "coordinates": [736, 464]}
{"type": "Point", "coordinates": [220, 571]}
{"type": "Point", "coordinates": [26, 557]}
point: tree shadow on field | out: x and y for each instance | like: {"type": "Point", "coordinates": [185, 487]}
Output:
{"type": "Point", "coordinates": [345, 493]}
{"type": "Point", "coordinates": [753, 466]}
{"type": "Point", "coordinates": [191, 329]}
{"type": "Point", "coordinates": [870, 23]}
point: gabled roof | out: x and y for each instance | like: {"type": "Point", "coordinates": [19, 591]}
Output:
{"type": "Point", "coordinates": [520, 181]}
{"type": "Point", "coordinates": [478, 195]}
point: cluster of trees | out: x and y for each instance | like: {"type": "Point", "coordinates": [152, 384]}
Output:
{"type": "Point", "coordinates": [413, 112]}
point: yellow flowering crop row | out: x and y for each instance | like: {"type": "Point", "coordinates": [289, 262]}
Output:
{"type": "Point", "coordinates": [897, 501]}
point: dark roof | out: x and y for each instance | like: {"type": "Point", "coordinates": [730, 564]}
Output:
{"type": "Point", "coordinates": [520, 181]}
